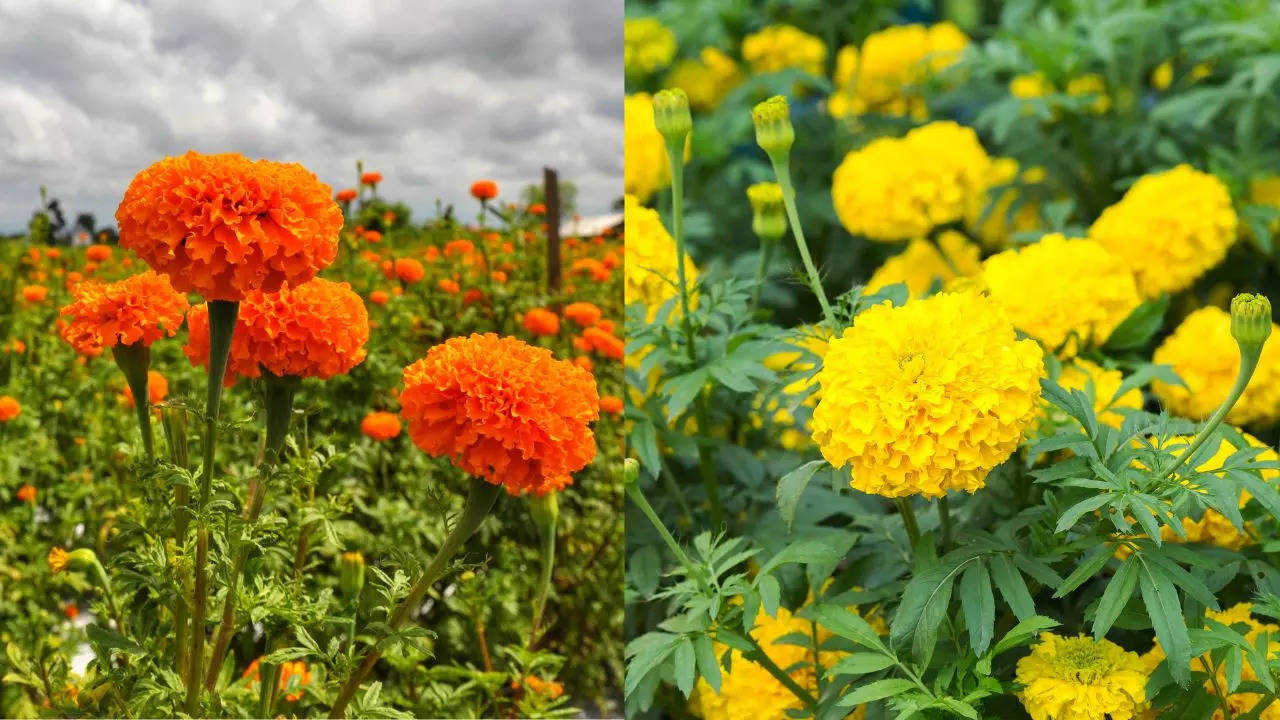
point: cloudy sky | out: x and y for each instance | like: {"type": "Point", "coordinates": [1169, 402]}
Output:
{"type": "Point", "coordinates": [432, 93]}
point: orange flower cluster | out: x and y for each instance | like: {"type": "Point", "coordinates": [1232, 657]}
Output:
{"type": "Point", "coordinates": [224, 225]}
{"type": "Point", "coordinates": [380, 426]}
{"type": "Point", "coordinates": [157, 389]}
{"type": "Point", "coordinates": [317, 329]}
{"type": "Point", "coordinates": [9, 408]}
{"type": "Point", "coordinates": [346, 195]}
{"type": "Point", "coordinates": [541, 321]}
{"type": "Point", "coordinates": [139, 309]}
{"type": "Point", "coordinates": [601, 340]}
{"type": "Point", "coordinates": [538, 686]}
{"type": "Point", "coordinates": [27, 493]}
{"type": "Point", "coordinates": [371, 178]}
{"type": "Point", "coordinates": [409, 270]}
{"type": "Point", "coordinates": [611, 404]}
{"type": "Point", "coordinates": [35, 293]}
{"type": "Point", "coordinates": [98, 253]}
{"type": "Point", "coordinates": [289, 670]}
{"type": "Point", "coordinates": [503, 410]}
{"type": "Point", "coordinates": [484, 189]}
{"type": "Point", "coordinates": [585, 314]}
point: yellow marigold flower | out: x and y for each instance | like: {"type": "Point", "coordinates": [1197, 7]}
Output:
{"type": "Point", "coordinates": [58, 559]}
{"type": "Point", "coordinates": [706, 80]}
{"type": "Point", "coordinates": [1091, 84]}
{"type": "Point", "coordinates": [1030, 85]}
{"type": "Point", "coordinates": [1169, 228]}
{"type": "Point", "coordinates": [1077, 376]}
{"type": "Point", "coordinates": [927, 397]}
{"type": "Point", "coordinates": [1162, 76]}
{"type": "Point", "coordinates": [645, 167]}
{"type": "Point", "coordinates": [647, 45]}
{"type": "Point", "coordinates": [781, 47]}
{"type": "Point", "coordinates": [1001, 220]}
{"type": "Point", "coordinates": [649, 260]}
{"type": "Point", "coordinates": [901, 188]}
{"type": "Point", "coordinates": [925, 264]}
{"type": "Point", "coordinates": [1066, 293]}
{"type": "Point", "coordinates": [1203, 353]}
{"type": "Point", "coordinates": [1076, 678]}
{"type": "Point", "coordinates": [749, 692]}
{"type": "Point", "coordinates": [1200, 71]}
{"type": "Point", "coordinates": [880, 77]}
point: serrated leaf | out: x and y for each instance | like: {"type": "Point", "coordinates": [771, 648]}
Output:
{"type": "Point", "coordinates": [878, 690]}
{"type": "Point", "coordinates": [792, 486]}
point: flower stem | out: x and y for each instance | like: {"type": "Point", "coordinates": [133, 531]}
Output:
{"type": "Point", "coordinates": [546, 522]}
{"type": "Point", "coordinates": [909, 522]}
{"type": "Point", "coordinates": [944, 522]}
{"type": "Point", "coordinates": [174, 421]}
{"type": "Point", "coordinates": [109, 595]}
{"type": "Point", "coordinates": [1248, 362]}
{"type": "Point", "coordinates": [134, 361]}
{"type": "Point", "coordinates": [761, 658]}
{"type": "Point", "coordinates": [766, 249]}
{"type": "Point", "coordinates": [783, 172]}
{"type": "Point", "coordinates": [222, 327]}
{"type": "Point", "coordinates": [637, 497]}
{"type": "Point", "coordinates": [480, 499]}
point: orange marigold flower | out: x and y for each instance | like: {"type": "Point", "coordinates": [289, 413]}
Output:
{"type": "Point", "coordinates": [498, 276]}
{"type": "Point", "coordinates": [346, 195]}
{"type": "Point", "coordinates": [585, 314]}
{"type": "Point", "coordinates": [27, 493]}
{"type": "Point", "coordinates": [472, 296]}
{"type": "Point", "coordinates": [380, 426]}
{"type": "Point", "coordinates": [58, 559]}
{"type": "Point", "coordinates": [503, 410]}
{"type": "Point", "coordinates": [139, 309]}
{"type": "Point", "coordinates": [378, 297]}
{"type": "Point", "coordinates": [15, 347]}
{"type": "Point", "coordinates": [537, 209]}
{"type": "Point", "coordinates": [611, 404]}
{"type": "Point", "coordinates": [584, 362]}
{"type": "Point", "coordinates": [604, 342]}
{"type": "Point", "coordinates": [371, 178]}
{"type": "Point", "coordinates": [72, 611]}
{"type": "Point", "coordinates": [484, 189]}
{"type": "Point", "coordinates": [224, 225]}
{"type": "Point", "coordinates": [605, 325]}
{"type": "Point", "coordinates": [409, 270]}
{"type": "Point", "coordinates": [98, 253]}
{"type": "Point", "coordinates": [541, 321]}
{"type": "Point", "coordinates": [373, 236]}
{"type": "Point", "coordinates": [546, 688]}
{"type": "Point", "coordinates": [294, 675]}
{"type": "Point", "coordinates": [157, 389]}
{"type": "Point", "coordinates": [9, 408]}
{"type": "Point", "coordinates": [449, 286]}
{"type": "Point", "coordinates": [459, 247]}
{"type": "Point", "coordinates": [432, 253]}
{"type": "Point", "coordinates": [317, 329]}
{"type": "Point", "coordinates": [35, 293]}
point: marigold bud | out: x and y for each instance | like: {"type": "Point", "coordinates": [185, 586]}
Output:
{"type": "Point", "coordinates": [774, 132]}
{"type": "Point", "coordinates": [769, 218]}
{"type": "Point", "coordinates": [1250, 321]}
{"type": "Point", "coordinates": [630, 471]}
{"type": "Point", "coordinates": [351, 573]}
{"type": "Point", "coordinates": [671, 116]}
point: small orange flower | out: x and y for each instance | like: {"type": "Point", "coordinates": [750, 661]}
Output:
{"type": "Point", "coordinates": [604, 342]}
{"type": "Point", "coordinates": [472, 296]}
{"type": "Point", "coordinates": [541, 321]}
{"type": "Point", "coordinates": [380, 426]}
{"type": "Point", "coordinates": [584, 362]}
{"type": "Point", "coordinates": [546, 688]}
{"type": "Point", "coordinates": [224, 225]}
{"type": "Point", "coordinates": [449, 286]}
{"type": "Point", "coordinates": [605, 325]}
{"type": "Point", "coordinates": [58, 558]}
{"type": "Point", "coordinates": [15, 347]}
{"type": "Point", "coordinates": [157, 389]}
{"type": "Point", "coordinates": [432, 253]}
{"type": "Point", "coordinates": [98, 253]}
{"type": "Point", "coordinates": [498, 276]}
{"type": "Point", "coordinates": [611, 404]}
{"type": "Point", "coordinates": [503, 410]}
{"type": "Point", "coordinates": [378, 297]}
{"type": "Point", "coordinates": [139, 309]}
{"type": "Point", "coordinates": [537, 209]}
{"type": "Point", "coordinates": [35, 293]}
{"type": "Point", "coordinates": [459, 247]}
{"type": "Point", "coordinates": [72, 611]}
{"type": "Point", "coordinates": [373, 236]}
{"type": "Point", "coordinates": [9, 408]}
{"type": "Point", "coordinates": [346, 195]}
{"type": "Point", "coordinates": [585, 314]}
{"type": "Point", "coordinates": [294, 675]}
{"type": "Point", "coordinates": [409, 270]}
{"type": "Point", "coordinates": [484, 189]}
{"type": "Point", "coordinates": [27, 493]}
{"type": "Point", "coordinates": [317, 329]}
{"type": "Point", "coordinates": [371, 178]}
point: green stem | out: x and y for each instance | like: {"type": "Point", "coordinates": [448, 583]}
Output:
{"type": "Point", "coordinates": [109, 595]}
{"type": "Point", "coordinates": [761, 658]}
{"type": "Point", "coordinates": [909, 522]}
{"type": "Point", "coordinates": [174, 422]}
{"type": "Point", "coordinates": [134, 361]}
{"type": "Point", "coordinates": [637, 497]}
{"type": "Point", "coordinates": [547, 529]}
{"type": "Point", "coordinates": [222, 327]}
{"type": "Point", "coordinates": [766, 249]}
{"type": "Point", "coordinates": [783, 172]}
{"type": "Point", "coordinates": [480, 499]}
{"type": "Point", "coordinates": [1247, 365]}
{"type": "Point", "coordinates": [944, 522]}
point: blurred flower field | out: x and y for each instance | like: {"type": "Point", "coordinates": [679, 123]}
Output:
{"type": "Point", "coordinates": [951, 368]}
{"type": "Point", "coordinates": [413, 505]}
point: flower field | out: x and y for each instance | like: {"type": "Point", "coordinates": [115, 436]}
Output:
{"type": "Point", "coordinates": [276, 450]}
{"type": "Point", "coordinates": [951, 372]}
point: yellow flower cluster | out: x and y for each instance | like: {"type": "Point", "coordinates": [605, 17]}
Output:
{"type": "Point", "coordinates": [1239, 703]}
{"type": "Point", "coordinates": [1169, 228]}
{"type": "Point", "coordinates": [646, 45]}
{"type": "Point", "coordinates": [645, 166]}
{"type": "Point", "coordinates": [749, 692]}
{"type": "Point", "coordinates": [1001, 219]}
{"type": "Point", "coordinates": [1081, 372]}
{"type": "Point", "coordinates": [900, 188]}
{"type": "Point", "coordinates": [1162, 76]}
{"type": "Point", "coordinates": [1265, 190]}
{"type": "Point", "coordinates": [796, 435]}
{"type": "Point", "coordinates": [649, 260]}
{"type": "Point", "coordinates": [1077, 678]}
{"type": "Point", "coordinates": [1066, 293]}
{"type": "Point", "coordinates": [1204, 354]}
{"type": "Point", "coordinates": [927, 397]}
{"type": "Point", "coordinates": [706, 80]}
{"type": "Point", "coordinates": [781, 47]}
{"type": "Point", "coordinates": [925, 264]}
{"type": "Point", "coordinates": [881, 76]}
{"type": "Point", "coordinates": [1091, 85]}
{"type": "Point", "coordinates": [1030, 85]}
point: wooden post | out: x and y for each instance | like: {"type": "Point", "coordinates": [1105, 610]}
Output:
{"type": "Point", "coordinates": [551, 189]}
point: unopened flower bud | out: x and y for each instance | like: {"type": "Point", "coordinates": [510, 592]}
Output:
{"type": "Point", "coordinates": [774, 132]}
{"type": "Point", "coordinates": [1250, 321]}
{"type": "Point", "coordinates": [545, 510]}
{"type": "Point", "coordinates": [671, 116]}
{"type": "Point", "coordinates": [351, 573]}
{"type": "Point", "coordinates": [769, 216]}
{"type": "Point", "coordinates": [630, 471]}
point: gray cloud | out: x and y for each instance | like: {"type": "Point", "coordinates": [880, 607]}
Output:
{"type": "Point", "coordinates": [434, 94]}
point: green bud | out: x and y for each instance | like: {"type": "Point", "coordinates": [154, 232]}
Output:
{"type": "Point", "coordinates": [671, 116]}
{"type": "Point", "coordinates": [545, 510]}
{"type": "Point", "coordinates": [351, 573]}
{"type": "Point", "coordinates": [1250, 321]}
{"type": "Point", "coordinates": [630, 471]}
{"type": "Point", "coordinates": [82, 559]}
{"type": "Point", "coordinates": [774, 132]}
{"type": "Point", "coordinates": [769, 215]}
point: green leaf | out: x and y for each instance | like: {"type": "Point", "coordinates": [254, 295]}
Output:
{"type": "Point", "coordinates": [1161, 599]}
{"type": "Point", "coordinates": [861, 663]}
{"type": "Point", "coordinates": [1023, 632]}
{"type": "Point", "coordinates": [1138, 328]}
{"type": "Point", "coordinates": [770, 593]}
{"type": "Point", "coordinates": [801, 551]}
{"type": "Point", "coordinates": [705, 654]}
{"type": "Point", "coordinates": [924, 605]}
{"type": "Point", "coordinates": [1089, 565]}
{"type": "Point", "coordinates": [848, 625]}
{"type": "Point", "coordinates": [645, 569]}
{"type": "Point", "coordinates": [878, 690]}
{"type": "Point", "coordinates": [643, 441]}
{"type": "Point", "coordinates": [792, 486]}
{"type": "Point", "coordinates": [1012, 587]}
{"type": "Point", "coordinates": [683, 662]}
{"type": "Point", "coordinates": [1074, 513]}
{"type": "Point", "coordinates": [979, 605]}
{"type": "Point", "coordinates": [1115, 597]}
